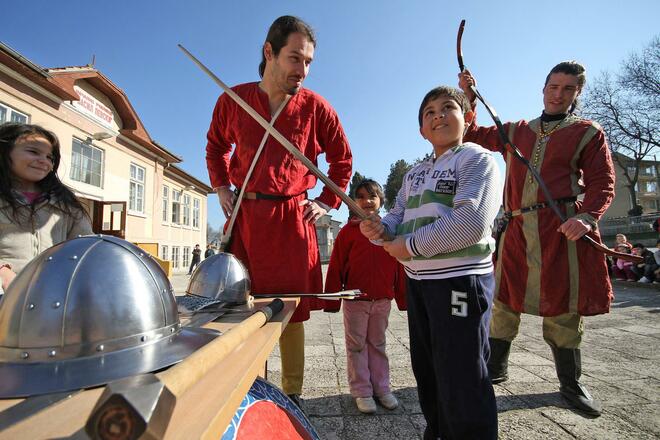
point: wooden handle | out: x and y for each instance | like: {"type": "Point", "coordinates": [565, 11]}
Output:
{"type": "Point", "coordinates": [182, 376]}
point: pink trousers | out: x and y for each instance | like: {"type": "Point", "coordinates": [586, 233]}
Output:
{"type": "Point", "coordinates": [365, 323]}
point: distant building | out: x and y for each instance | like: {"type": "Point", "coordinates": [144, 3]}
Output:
{"type": "Point", "coordinates": [648, 190]}
{"type": "Point", "coordinates": [616, 219]}
{"type": "Point", "coordinates": [326, 232]}
{"type": "Point", "coordinates": [128, 182]}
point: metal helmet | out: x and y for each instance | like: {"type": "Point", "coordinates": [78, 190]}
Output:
{"type": "Point", "coordinates": [221, 277]}
{"type": "Point", "coordinates": [86, 312]}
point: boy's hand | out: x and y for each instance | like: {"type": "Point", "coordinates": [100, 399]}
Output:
{"type": "Point", "coordinates": [465, 80]}
{"type": "Point", "coordinates": [397, 248]}
{"type": "Point", "coordinates": [372, 228]}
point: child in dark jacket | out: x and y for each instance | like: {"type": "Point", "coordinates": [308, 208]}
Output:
{"type": "Point", "coordinates": [357, 264]}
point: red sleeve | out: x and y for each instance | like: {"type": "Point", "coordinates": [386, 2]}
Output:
{"type": "Point", "coordinates": [400, 287]}
{"type": "Point", "coordinates": [335, 278]}
{"type": "Point", "coordinates": [596, 164]}
{"type": "Point", "coordinates": [218, 147]}
{"type": "Point", "coordinates": [487, 137]}
{"type": "Point", "coordinates": [337, 154]}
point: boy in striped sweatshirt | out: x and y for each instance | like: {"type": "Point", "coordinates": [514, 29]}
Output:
{"type": "Point", "coordinates": [442, 219]}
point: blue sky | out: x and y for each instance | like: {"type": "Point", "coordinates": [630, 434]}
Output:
{"type": "Point", "coordinates": [374, 60]}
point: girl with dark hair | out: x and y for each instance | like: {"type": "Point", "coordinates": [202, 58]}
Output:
{"type": "Point", "coordinates": [357, 264]}
{"type": "Point", "coordinates": [37, 210]}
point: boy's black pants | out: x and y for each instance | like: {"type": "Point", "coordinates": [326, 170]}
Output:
{"type": "Point", "coordinates": [448, 322]}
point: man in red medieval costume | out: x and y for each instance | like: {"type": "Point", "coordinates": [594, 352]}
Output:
{"type": "Point", "coordinates": [274, 234]}
{"type": "Point", "coordinates": [542, 267]}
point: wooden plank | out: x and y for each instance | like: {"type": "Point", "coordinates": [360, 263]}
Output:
{"type": "Point", "coordinates": [204, 411]}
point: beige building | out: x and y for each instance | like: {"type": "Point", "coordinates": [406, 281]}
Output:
{"type": "Point", "coordinates": [129, 183]}
{"type": "Point", "coordinates": [326, 233]}
{"type": "Point", "coordinates": [648, 192]}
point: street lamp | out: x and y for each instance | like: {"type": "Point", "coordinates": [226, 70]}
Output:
{"type": "Point", "coordinates": [98, 136]}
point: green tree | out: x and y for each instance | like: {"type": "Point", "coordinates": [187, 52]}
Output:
{"type": "Point", "coordinates": [357, 178]}
{"type": "Point", "coordinates": [394, 181]}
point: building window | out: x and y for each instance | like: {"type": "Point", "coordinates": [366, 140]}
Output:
{"type": "Point", "coordinates": [164, 252]}
{"type": "Point", "coordinates": [166, 203]}
{"type": "Point", "coordinates": [175, 257]}
{"type": "Point", "coordinates": [136, 193]}
{"type": "Point", "coordinates": [648, 170]}
{"type": "Point", "coordinates": [8, 114]}
{"type": "Point", "coordinates": [651, 187]}
{"type": "Point", "coordinates": [186, 209]}
{"type": "Point", "coordinates": [186, 256]}
{"type": "Point", "coordinates": [176, 206]}
{"type": "Point", "coordinates": [195, 217]}
{"type": "Point", "coordinates": [86, 163]}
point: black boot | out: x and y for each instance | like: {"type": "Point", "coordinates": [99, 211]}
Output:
{"type": "Point", "coordinates": [295, 398]}
{"type": "Point", "coordinates": [568, 363]}
{"type": "Point", "coordinates": [498, 362]}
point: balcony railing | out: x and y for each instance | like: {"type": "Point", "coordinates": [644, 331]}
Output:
{"type": "Point", "coordinates": [628, 225]}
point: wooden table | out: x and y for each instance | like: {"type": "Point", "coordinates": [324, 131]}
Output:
{"type": "Point", "coordinates": [204, 411]}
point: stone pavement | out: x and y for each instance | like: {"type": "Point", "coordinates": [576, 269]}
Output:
{"type": "Point", "coordinates": [620, 354]}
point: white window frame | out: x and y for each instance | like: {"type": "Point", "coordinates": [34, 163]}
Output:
{"type": "Point", "coordinates": [186, 256]}
{"type": "Point", "coordinates": [186, 210]}
{"type": "Point", "coordinates": [195, 217]}
{"type": "Point", "coordinates": [166, 204]}
{"type": "Point", "coordinates": [78, 170]}
{"type": "Point", "coordinates": [136, 190]}
{"type": "Point", "coordinates": [176, 207]}
{"type": "Point", "coordinates": [10, 114]}
{"type": "Point", "coordinates": [174, 258]}
{"type": "Point", "coordinates": [164, 252]}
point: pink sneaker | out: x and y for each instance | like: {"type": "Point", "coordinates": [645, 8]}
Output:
{"type": "Point", "coordinates": [366, 405]}
{"type": "Point", "coordinates": [388, 401]}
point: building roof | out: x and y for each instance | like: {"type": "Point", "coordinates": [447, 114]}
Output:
{"type": "Point", "coordinates": [60, 81]}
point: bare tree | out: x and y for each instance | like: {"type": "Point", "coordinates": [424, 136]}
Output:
{"type": "Point", "coordinates": [627, 106]}
{"type": "Point", "coordinates": [211, 234]}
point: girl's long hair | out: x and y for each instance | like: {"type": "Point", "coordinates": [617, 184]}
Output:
{"type": "Point", "coordinates": [51, 186]}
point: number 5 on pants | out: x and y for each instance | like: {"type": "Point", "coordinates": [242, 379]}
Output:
{"type": "Point", "coordinates": [459, 304]}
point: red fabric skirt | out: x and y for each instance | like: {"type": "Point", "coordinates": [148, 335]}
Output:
{"type": "Point", "coordinates": [279, 250]}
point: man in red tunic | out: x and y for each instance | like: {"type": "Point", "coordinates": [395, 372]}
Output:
{"type": "Point", "coordinates": [274, 234]}
{"type": "Point", "coordinates": [542, 267]}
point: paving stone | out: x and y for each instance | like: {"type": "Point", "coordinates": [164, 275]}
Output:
{"type": "Point", "coordinates": [527, 424]}
{"type": "Point", "coordinates": [524, 374]}
{"type": "Point", "coordinates": [645, 417]}
{"type": "Point", "coordinates": [328, 428]}
{"type": "Point", "coordinates": [377, 427]}
{"type": "Point", "coordinates": [648, 388]}
{"type": "Point", "coordinates": [621, 368]}
{"type": "Point", "coordinates": [528, 358]}
{"type": "Point", "coordinates": [317, 403]}
{"type": "Point", "coordinates": [608, 426]}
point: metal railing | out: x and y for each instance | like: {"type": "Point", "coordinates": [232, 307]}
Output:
{"type": "Point", "coordinates": [628, 225]}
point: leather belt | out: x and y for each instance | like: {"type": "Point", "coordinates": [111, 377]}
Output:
{"type": "Point", "coordinates": [262, 196]}
{"type": "Point", "coordinates": [538, 206]}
